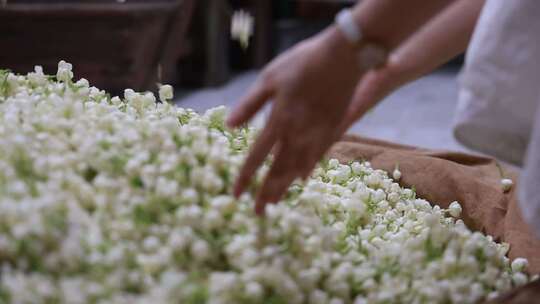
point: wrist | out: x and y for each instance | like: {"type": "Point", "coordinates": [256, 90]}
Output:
{"type": "Point", "coordinates": [369, 54]}
{"type": "Point", "coordinates": [337, 43]}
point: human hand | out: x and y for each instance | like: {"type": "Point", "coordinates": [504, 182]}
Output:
{"type": "Point", "coordinates": [430, 46]}
{"type": "Point", "coordinates": [310, 87]}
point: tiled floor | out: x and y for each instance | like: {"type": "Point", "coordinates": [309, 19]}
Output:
{"type": "Point", "coordinates": [419, 114]}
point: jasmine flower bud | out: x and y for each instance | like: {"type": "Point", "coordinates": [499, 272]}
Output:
{"type": "Point", "coordinates": [454, 209]}
{"type": "Point", "coordinates": [64, 72]}
{"type": "Point", "coordinates": [242, 27]}
{"type": "Point", "coordinates": [200, 250]}
{"type": "Point", "coordinates": [519, 278]}
{"type": "Point", "coordinates": [165, 92]}
{"type": "Point", "coordinates": [396, 174]}
{"type": "Point", "coordinates": [506, 184]}
{"type": "Point", "coordinates": [519, 264]}
{"type": "Point", "coordinates": [254, 291]}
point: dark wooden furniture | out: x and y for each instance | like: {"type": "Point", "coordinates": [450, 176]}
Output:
{"type": "Point", "coordinates": [114, 45]}
{"type": "Point", "coordinates": [213, 51]}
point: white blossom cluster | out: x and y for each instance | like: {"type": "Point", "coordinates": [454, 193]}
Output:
{"type": "Point", "coordinates": [128, 200]}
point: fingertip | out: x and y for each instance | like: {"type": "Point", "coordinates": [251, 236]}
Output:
{"type": "Point", "coordinates": [264, 197]}
{"type": "Point", "coordinates": [229, 123]}
{"type": "Point", "coordinates": [260, 206]}
{"type": "Point", "coordinates": [271, 198]}
{"type": "Point", "coordinates": [232, 120]}
{"type": "Point", "coordinates": [238, 187]}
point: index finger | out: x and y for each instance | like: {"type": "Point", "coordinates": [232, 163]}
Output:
{"type": "Point", "coordinates": [250, 104]}
{"type": "Point", "coordinates": [285, 168]}
{"type": "Point", "coordinates": [256, 156]}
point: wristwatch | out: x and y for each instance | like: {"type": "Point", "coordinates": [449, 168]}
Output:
{"type": "Point", "coordinates": [370, 55]}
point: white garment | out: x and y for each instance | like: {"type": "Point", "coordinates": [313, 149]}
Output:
{"type": "Point", "coordinates": [498, 110]}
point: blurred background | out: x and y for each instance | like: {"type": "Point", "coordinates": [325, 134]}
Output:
{"type": "Point", "coordinates": [119, 44]}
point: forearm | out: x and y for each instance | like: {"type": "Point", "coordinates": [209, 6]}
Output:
{"type": "Point", "coordinates": [441, 39]}
{"type": "Point", "coordinates": [390, 22]}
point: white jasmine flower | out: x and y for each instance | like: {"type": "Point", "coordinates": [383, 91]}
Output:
{"type": "Point", "coordinates": [336, 301]}
{"type": "Point", "coordinates": [151, 243]}
{"type": "Point", "coordinates": [242, 27]}
{"type": "Point", "coordinates": [454, 209]}
{"type": "Point", "coordinates": [64, 73]}
{"type": "Point", "coordinates": [506, 184]}
{"type": "Point", "coordinates": [165, 92]}
{"type": "Point", "coordinates": [396, 174]}
{"type": "Point", "coordinates": [360, 300]}
{"type": "Point", "coordinates": [254, 291]}
{"type": "Point", "coordinates": [200, 250]}
{"type": "Point", "coordinates": [333, 163]}
{"type": "Point", "coordinates": [519, 278]}
{"type": "Point", "coordinates": [318, 297]}
{"type": "Point", "coordinates": [519, 264]}
{"type": "Point", "coordinates": [37, 78]}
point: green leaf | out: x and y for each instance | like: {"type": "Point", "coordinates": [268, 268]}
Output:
{"type": "Point", "coordinates": [4, 85]}
{"type": "Point", "coordinates": [432, 252]}
{"type": "Point", "coordinates": [89, 174]}
{"type": "Point", "coordinates": [144, 216]}
{"type": "Point", "coordinates": [136, 182]}
{"type": "Point", "coordinates": [274, 299]}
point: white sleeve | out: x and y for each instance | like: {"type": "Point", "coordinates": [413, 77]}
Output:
{"type": "Point", "coordinates": [499, 84]}
{"type": "Point", "coordinates": [498, 110]}
{"type": "Point", "coordinates": [529, 183]}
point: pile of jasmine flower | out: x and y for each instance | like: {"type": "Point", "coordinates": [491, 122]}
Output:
{"type": "Point", "coordinates": [128, 200]}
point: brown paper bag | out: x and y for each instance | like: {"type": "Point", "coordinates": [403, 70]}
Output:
{"type": "Point", "coordinates": [442, 177]}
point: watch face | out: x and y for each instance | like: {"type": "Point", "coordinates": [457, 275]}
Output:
{"type": "Point", "coordinates": [372, 56]}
